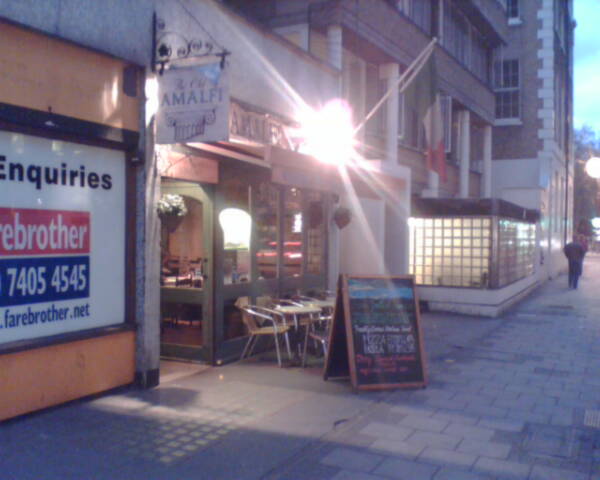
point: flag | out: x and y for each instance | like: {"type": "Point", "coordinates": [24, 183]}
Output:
{"type": "Point", "coordinates": [421, 94]}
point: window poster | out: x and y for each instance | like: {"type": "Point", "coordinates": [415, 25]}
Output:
{"type": "Point", "coordinates": [62, 237]}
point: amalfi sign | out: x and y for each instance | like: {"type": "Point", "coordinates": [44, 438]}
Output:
{"type": "Point", "coordinates": [193, 105]}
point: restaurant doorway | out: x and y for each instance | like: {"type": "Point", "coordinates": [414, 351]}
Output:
{"type": "Point", "coordinates": [186, 270]}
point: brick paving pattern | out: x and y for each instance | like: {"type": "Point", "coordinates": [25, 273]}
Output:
{"type": "Point", "coordinates": [516, 397]}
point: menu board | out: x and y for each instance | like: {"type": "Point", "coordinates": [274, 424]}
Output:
{"type": "Point", "coordinates": [376, 336]}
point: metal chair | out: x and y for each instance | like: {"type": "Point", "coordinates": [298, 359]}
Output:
{"type": "Point", "coordinates": [319, 332]}
{"type": "Point", "coordinates": [255, 318]}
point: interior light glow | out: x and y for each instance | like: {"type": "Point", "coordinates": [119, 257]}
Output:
{"type": "Point", "coordinates": [592, 167]}
{"type": "Point", "coordinates": [236, 225]}
{"type": "Point", "coordinates": [297, 227]}
{"type": "Point", "coordinates": [328, 134]}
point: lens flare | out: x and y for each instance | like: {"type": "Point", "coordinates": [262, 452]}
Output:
{"type": "Point", "coordinates": [328, 134]}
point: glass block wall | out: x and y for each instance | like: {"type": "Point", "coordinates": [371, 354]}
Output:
{"type": "Point", "coordinates": [516, 250]}
{"type": "Point", "coordinates": [472, 252]}
{"type": "Point", "coordinates": [452, 252]}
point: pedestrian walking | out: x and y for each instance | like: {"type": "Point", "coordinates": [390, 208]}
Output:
{"type": "Point", "coordinates": [574, 251]}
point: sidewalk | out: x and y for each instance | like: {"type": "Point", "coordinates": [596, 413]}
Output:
{"type": "Point", "coordinates": [516, 397]}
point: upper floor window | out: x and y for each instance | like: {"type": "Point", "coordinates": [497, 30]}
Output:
{"type": "Point", "coordinates": [456, 33]}
{"type": "Point", "coordinates": [512, 8]}
{"type": "Point", "coordinates": [419, 11]}
{"type": "Point", "coordinates": [480, 53]}
{"type": "Point", "coordinates": [506, 86]}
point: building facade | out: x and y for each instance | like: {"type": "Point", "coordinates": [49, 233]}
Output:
{"type": "Point", "coordinates": [92, 175]}
{"type": "Point", "coordinates": [533, 131]}
{"type": "Point", "coordinates": [490, 114]}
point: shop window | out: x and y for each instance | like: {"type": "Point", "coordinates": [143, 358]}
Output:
{"type": "Point", "coordinates": [182, 251]}
{"type": "Point", "coordinates": [235, 222]}
{"type": "Point", "coordinates": [236, 225]}
{"type": "Point", "coordinates": [516, 250]}
{"type": "Point", "coordinates": [315, 228]}
{"type": "Point", "coordinates": [292, 233]}
{"type": "Point", "coordinates": [265, 217]}
{"type": "Point", "coordinates": [461, 251]}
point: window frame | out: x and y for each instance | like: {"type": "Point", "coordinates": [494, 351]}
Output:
{"type": "Point", "coordinates": [501, 87]}
{"type": "Point", "coordinates": [512, 9]}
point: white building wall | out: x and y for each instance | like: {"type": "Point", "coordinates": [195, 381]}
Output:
{"type": "Point", "coordinates": [552, 158]}
{"type": "Point", "coordinates": [265, 70]}
{"type": "Point", "coordinates": [362, 242]}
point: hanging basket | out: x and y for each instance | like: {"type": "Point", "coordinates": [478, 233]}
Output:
{"type": "Point", "coordinates": [171, 210]}
{"type": "Point", "coordinates": [171, 221]}
{"type": "Point", "coordinates": [342, 217]}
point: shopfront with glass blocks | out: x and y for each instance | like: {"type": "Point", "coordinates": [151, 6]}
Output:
{"type": "Point", "coordinates": [476, 244]}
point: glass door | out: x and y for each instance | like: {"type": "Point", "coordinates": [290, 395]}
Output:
{"type": "Point", "coordinates": [186, 212]}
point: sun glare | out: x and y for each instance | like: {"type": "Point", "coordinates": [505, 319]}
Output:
{"type": "Point", "coordinates": [328, 133]}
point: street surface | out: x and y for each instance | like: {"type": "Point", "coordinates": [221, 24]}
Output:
{"type": "Point", "coordinates": [516, 397]}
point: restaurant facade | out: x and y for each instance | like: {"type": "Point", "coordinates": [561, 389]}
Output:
{"type": "Point", "coordinates": [264, 219]}
{"type": "Point", "coordinates": [99, 279]}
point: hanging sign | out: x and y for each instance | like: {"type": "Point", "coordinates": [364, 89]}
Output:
{"type": "Point", "coordinates": [193, 105]}
{"type": "Point", "coordinates": [376, 336]}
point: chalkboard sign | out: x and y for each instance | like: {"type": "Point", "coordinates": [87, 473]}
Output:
{"type": "Point", "coordinates": [376, 335]}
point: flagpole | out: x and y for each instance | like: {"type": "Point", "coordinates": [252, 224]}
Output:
{"type": "Point", "coordinates": [407, 76]}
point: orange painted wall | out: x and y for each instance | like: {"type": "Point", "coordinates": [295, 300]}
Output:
{"type": "Point", "coordinates": [45, 74]}
{"type": "Point", "coordinates": [43, 377]}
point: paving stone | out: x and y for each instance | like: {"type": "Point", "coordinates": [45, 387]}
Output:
{"type": "Point", "coordinates": [430, 439]}
{"type": "Point", "coordinates": [405, 470]}
{"type": "Point", "coordinates": [447, 403]}
{"type": "Point", "coordinates": [502, 468]}
{"type": "Point", "coordinates": [502, 424]}
{"type": "Point", "coordinates": [421, 411]}
{"type": "Point", "coordinates": [442, 456]}
{"type": "Point", "coordinates": [456, 474]}
{"type": "Point", "coordinates": [474, 399]}
{"type": "Point", "coordinates": [346, 475]}
{"type": "Point", "coordinates": [384, 430]}
{"type": "Point", "coordinates": [423, 423]}
{"type": "Point", "coordinates": [542, 472]}
{"type": "Point", "coordinates": [486, 411]}
{"type": "Point", "coordinates": [520, 415]}
{"type": "Point", "coordinates": [468, 431]}
{"type": "Point", "coordinates": [486, 449]}
{"type": "Point", "coordinates": [351, 459]}
{"type": "Point", "coordinates": [456, 417]}
{"type": "Point", "coordinates": [393, 447]}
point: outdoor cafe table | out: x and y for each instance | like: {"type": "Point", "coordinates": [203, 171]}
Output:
{"type": "Point", "coordinates": [321, 304]}
{"type": "Point", "coordinates": [296, 312]}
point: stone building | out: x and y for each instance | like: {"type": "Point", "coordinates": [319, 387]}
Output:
{"type": "Point", "coordinates": [102, 286]}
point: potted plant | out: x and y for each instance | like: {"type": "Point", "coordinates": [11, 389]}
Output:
{"type": "Point", "coordinates": [171, 210]}
{"type": "Point", "coordinates": [342, 216]}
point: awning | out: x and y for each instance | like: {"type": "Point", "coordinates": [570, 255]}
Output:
{"type": "Point", "coordinates": [456, 207]}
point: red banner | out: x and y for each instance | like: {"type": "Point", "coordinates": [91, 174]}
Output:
{"type": "Point", "coordinates": [43, 232]}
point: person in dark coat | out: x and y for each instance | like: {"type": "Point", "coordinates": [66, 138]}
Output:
{"type": "Point", "coordinates": [574, 251]}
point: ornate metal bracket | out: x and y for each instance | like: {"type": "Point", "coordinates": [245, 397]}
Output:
{"type": "Point", "coordinates": [170, 46]}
